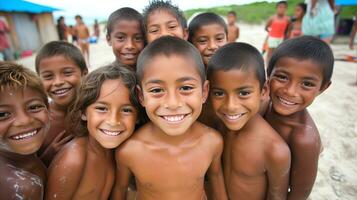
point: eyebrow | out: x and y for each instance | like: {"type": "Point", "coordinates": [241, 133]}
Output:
{"type": "Point", "coordinates": [180, 80]}
{"type": "Point", "coordinates": [239, 88]}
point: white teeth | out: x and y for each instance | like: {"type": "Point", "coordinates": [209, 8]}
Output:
{"type": "Point", "coordinates": [286, 102]}
{"type": "Point", "coordinates": [24, 135]}
{"type": "Point", "coordinates": [61, 92]}
{"type": "Point", "coordinates": [111, 133]}
{"type": "Point", "coordinates": [175, 118]}
{"type": "Point", "coordinates": [234, 117]}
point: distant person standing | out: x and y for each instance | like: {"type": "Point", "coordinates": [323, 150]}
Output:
{"type": "Point", "coordinates": [294, 30]}
{"type": "Point", "coordinates": [96, 29]}
{"type": "Point", "coordinates": [319, 19]}
{"type": "Point", "coordinates": [276, 27]}
{"type": "Point", "coordinates": [353, 38]}
{"type": "Point", "coordinates": [82, 33]}
{"type": "Point", "coordinates": [233, 29]}
{"type": "Point", "coordinates": [4, 43]}
{"type": "Point", "coordinates": [62, 29]}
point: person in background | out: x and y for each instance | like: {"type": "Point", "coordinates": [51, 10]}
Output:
{"type": "Point", "coordinates": [294, 29]}
{"type": "Point", "coordinates": [4, 42]}
{"type": "Point", "coordinates": [233, 29]}
{"type": "Point", "coordinates": [96, 29]}
{"type": "Point", "coordinates": [62, 29]}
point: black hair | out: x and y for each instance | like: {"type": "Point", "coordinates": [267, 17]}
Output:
{"type": "Point", "coordinates": [90, 89]}
{"type": "Point", "coordinates": [232, 13]}
{"type": "Point", "coordinates": [240, 56]}
{"type": "Point", "coordinates": [125, 13]}
{"type": "Point", "coordinates": [282, 2]}
{"type": "Point", "coordinates": [303, 6]}
{"type": "Point", "coordinates": [61, 48]}
{"type": "Point", "coordinates": [166, 6]}
{"type": "Point", "coordinates": [204, 19]}
{"type": "Point", "coordinates": [168, 46]}
{"type": "Point", "coordinates": [305, 48]}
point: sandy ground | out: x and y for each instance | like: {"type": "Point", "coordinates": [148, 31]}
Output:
{"type": "Point", "coordinates": [334, 111]}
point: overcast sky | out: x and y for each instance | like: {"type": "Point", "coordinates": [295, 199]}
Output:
{"type": "Point", "coordinates": [102, 8]}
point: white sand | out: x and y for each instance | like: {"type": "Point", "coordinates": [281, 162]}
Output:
{"type": "Point", "coordinates": [334, 111]}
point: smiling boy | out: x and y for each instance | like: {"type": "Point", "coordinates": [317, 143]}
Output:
{"type": "Point", "coordinates": [170, 155]}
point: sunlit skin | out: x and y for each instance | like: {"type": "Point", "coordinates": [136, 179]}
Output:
{"type": "Point", "coordinates": [161, 23]}
{"type": "Point", "coordinates": [127, 41]}
{"type": "Point", "coordinates": [182, 149]}
{"type": "Point", "coordinates": [87, 163]}
{"type": "Point", "coordinates": [207, 39]}
{"type": "Point", "coordinates": [294, 30]}
{"type": "Point", "coordinates": [61, 77]}
{"type": "Point", "coordinates": [294, 84]}
{"type": "Point", "coordinates": [233, 30]}
{"type": "Point", "coordinates": [24, 121]}
{"type": "Point", "coordinates": [256, 160]}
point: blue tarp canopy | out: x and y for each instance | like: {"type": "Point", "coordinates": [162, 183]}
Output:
{"type": "Point", "coordinates": [24, 6]}
{"type": "Point", "coordinates": [346, 2]}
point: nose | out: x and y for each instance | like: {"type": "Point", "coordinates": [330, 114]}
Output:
{"type": "Point", "coordinates": [231, 102]}
{"type": "Point", "coordinates": [172, 101]}
{"type": "Point", "coordinates": [212, 45]}
{"type": "Point", "coordinates": [22, 118]}
{"type": "Point", "coordinates": [114, 119]}
{"type": "Point", "coordinates": [291, 89]}
{"type": "Point", "coordinates": [166, 32]}
{"type": "Point", "coordinates": [58, 81]}
{"type": "Point", "coordinates": [129, 44]}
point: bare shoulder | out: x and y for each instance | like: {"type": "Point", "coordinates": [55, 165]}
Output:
{"type": "Point", "coordinates": [72, 155]}
{"type": "Point", "coordinates": [209, 135]}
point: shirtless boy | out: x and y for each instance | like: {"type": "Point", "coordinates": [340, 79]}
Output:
{"type": "Point", "coordinates": [295, 79]}
{"type": "Point", "coordinates": [162, 18]}
{"type": "Point", "coordinates": [82, 33]}
{"type": "Point", "coordinates": [170, 155]}
{"type": "Point", "coordinates": [256, 160]}
{"type": "Point", "coordinates": [24, 122]}
{"type": "Point", "coordinates": [233, 29]}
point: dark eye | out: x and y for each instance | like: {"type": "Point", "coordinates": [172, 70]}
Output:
{"type": "Point", "coordinates": [153, 30]}
{"type": "Point", "coordinates": [218, 93]}
{"type": "Point", "coordinates": [139, 38]}
{"type": "Point", "coordinates": [101, 108]}
{"type": "Point", "coordinates": [4, 115]}
{"type": "Point", "coordinates": [128, 110]}
{"type": "Point", "coordinates": [186, 88]}
{"type": "Point", "coordinates": [308, 84]}
{"type": "Point", "coordinates": [68, 73]}
{"type": "Point", "coordinates": [47, 76]}
{"type": "Point", "coordinates": [156, 90]}
{"type": "Point", "coordinates": [120, 38]}
{"type": "Point", "coordinates": [244, 93]}
{"type": "Point", "coordinates": [281, 77]}
{"type": "Point", "coordinates": [172, 26]}
{"type": "Point", "coordinates": [36, 107]}
{"type": "Point", "coordinates": [202, 41]}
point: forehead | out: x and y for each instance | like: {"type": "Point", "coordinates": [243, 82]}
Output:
{"type": "Point", "coordinates": [114, 89]}
{"type": "Point", "coordinates": [210, 29]}
{"type": "Point", "coordinates": [234, 78]}
{"type": "Point", "coordinates": [161, 16]}
{"type": "Point", "coordinates": [168, 68]}
{"type": "Point", "coordinates": [11, 96]}
{"type": "Point", "coordinates": [56, 63]}
{"type": "Point", "coordinates": [123, 25]}
{"type": "Point", "coordinates": [299, 68]}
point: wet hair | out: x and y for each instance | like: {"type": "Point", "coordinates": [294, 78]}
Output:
{"type": "Point", "coordinates": [61, 48]}
{"type": "Point", "coordinates": [125, 13]}
{"type": "Point", "coordinates": [303, 6]}
{"type": "Point", "coordinates": [14, 77]}
{"type": "Point", "coordinates": [169, 46]}
{"type": "Point", "coordinates": [282, 3]}
{"type": "Point", "coordinates": [239, 56]}
{"type": "Point", "coordinates": [204, 19]}
{"type": "Point", "coordinates": [164, 6]}
{"type": "Point", "coordinates": [305, 48]}
{"type": "Point", "coordinates": [232, 13]}
{"type": "Point", "coordinates": [89, 92]}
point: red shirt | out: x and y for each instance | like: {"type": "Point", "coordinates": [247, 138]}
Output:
{"type": "Point", "coordinates": [278, 27]}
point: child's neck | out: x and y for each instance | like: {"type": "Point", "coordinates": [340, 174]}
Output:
{"type": "Point", "coordinates": [58, 109]}
{"type": "Point", "coordinates": [96, 147]}
{"type": "Point", "coordinates": [172, 140]}
{"type": "Point", "coordinates": [18, 159]}
{"type": "Point", "coordinates": [280, 15]}
{"type": "Point", "coordinates": [296, 117]}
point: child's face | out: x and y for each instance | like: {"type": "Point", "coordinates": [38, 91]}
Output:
{"type": "Point", "coordinates": [281, 9]}
{"type": "Point", "coordinates": [294, 84]}
{"type": "Point", "coordinates": [173, 101]}
{"type": "Point", "coordinates": [24, 121]}
{"type": "Point", "coordinates": [208, 39]}
{"type": "Point", "coordinates": [127, 41]}
{"type": "Point", "coordinates": [61, 77]}
{"type": "Point", "coordinates": [298, 12]}
{"type": "Point", "coordinates": [161, 23]}
{"type": "Point", "coordinates": [111, 118]}
{"type": "Point", "coordinates": [235, 96]}
{"type": "Point", "coordinates": [231, 19]}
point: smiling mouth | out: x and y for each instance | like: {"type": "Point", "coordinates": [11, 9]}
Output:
{"type": "Point", "coordinates": [61, 92]}
{"type": "Point", "coordinates": [129, 55]}
{"type": "Point", "coordinates": [26, 135]}
{"type": "Point", "coordinates": [233, 117]}
{"type": "Point", "coordinates": [286, 102]}
{"type": "Point", "coordinates": [110, 133]}
{"type": "Point", "coordinates": [174, 118]}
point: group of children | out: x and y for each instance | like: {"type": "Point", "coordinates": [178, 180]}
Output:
{"type": "Point", "coordinates": [144, 115]}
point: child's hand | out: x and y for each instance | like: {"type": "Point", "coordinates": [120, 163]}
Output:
{"type": "Point", "coordinates": [55, 146]}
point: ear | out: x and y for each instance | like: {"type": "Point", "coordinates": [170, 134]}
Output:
{"type": "Point", "coordinates": [205, 91]}
{"type": "Point", "coordinates": [83, 117]}
{"type": "Point", "coordinates": [185, 34]}
{"type": "Point", "coordinates": [139, 91]}
{"type": "Point", "coordinates": [108, 40]}
{"type": "Point", "coordinates": [84, 72]}
{"type": "Point", "coordinates": [324, 87]}
{"type": "Point", "coordinates": [265, 91]}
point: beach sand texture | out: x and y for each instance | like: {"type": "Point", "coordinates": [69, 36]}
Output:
{"type": "Point", "coordinates": [334, 111]}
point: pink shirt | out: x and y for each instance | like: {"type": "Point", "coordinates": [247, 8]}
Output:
{"type": "Point", "coordinates": [4, 43]}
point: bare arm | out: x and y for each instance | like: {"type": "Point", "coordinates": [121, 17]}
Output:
{"type": "Point", "coordinates": [215, 174]}
{"type": "Point", "coordinates": [267, 25]}
{"type": "Point", "coordinates": [122, 177]}
{"type": "Point", "coordinates": [237, 33]}
{"type": "Point", "coordinates": [305, 150]}
{"type": "Point", "coordinates": [64, 173]}
{"type": "Point", "coordinates": [278, 166]}
{"type": "Point", "coordinates": [353, 34]}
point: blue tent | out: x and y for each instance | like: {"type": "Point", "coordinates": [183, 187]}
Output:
{"type": "Point", "coordinates": [24, 6]}
{"type": "Point", "coordinates": [346, 2]}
